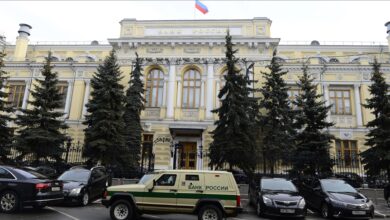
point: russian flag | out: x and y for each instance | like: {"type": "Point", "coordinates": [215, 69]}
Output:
{"type": "Point", "coordinates": [201, 7]}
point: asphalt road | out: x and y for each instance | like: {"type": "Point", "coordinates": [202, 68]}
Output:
{"type": "Point", "coordinates": [96, 211]}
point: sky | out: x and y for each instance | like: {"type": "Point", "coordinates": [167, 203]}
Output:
{"type": "Point", "coordinates": [291, 20]}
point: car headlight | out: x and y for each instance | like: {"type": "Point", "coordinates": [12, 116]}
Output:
{"type": "Point", "coordinates": [301, 204]}
{"type": "Point", "coordinates": [338, 203]}
{"type": "Point", "coordinates": [75, 191]}
{"type": "Point", "coordinates": [267, 201]}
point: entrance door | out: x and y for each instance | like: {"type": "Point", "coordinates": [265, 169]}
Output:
{"type": "Point", "coordinates": [188, 155]}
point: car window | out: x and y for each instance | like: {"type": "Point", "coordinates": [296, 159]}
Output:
{"type": "Point", "coordinates": [337, 186]}
{"type": "Point", "coordinates": [4, 174]}
{"type": "Point", "coordinates": [277, 184]}
{"type": "Point", "coordinates": [76, 175]}
{"type": "Point", "coordinates": [192, 177]}
{"type": "Point", "coordinates": [29, 174]}
{"type": "Point", "coordinates": [145, 178]}
{"type": "Point", "coordinates": [166, 180]}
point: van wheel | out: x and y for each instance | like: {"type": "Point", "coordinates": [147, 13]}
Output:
{"type": "Point", "coordinates": [210, 212]}
{"type": "Point", "coordinates": [121, 210]}
{"type": "Point", "coordinates": [9, 202]}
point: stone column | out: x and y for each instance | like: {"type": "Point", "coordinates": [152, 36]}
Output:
{"type": "Point", "coordinates": [26, 93]}
{"type": "Point", "coordinates": [86, 97]}
{"type": "Point", "coordinates": [326, 97]}
{"type": "Point", "coordinates": [216, 93]}
{"type": "Point", "coordinates": [179, 91]}
{"type": "Point", "coordinates": [202, 94]}
{"type": "Point", "coordinates": [164, 101]}
{"type": "Point", "coordinates": [171, 89]}
{"type": "Point", "coordinates": [68, 102]}
{"type": "Point", "coordinates": [209, 94]}
{"type": "Point", "coordinates": [358, 106]}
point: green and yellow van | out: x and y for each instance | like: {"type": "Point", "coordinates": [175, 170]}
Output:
{"type": "Point", "coordinates": [212, 195]}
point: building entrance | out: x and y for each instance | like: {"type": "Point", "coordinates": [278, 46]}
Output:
{"type": "Point", "coordinates": [187, 152]}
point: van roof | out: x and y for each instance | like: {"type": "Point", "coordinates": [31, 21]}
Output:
{"type": "Point", "coordinates": [190, 171]}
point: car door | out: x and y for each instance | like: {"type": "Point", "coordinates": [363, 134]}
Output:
{"type": "Point", "coordinates": [6, 178]}
{"type": "Point", "coordinates": [191, 189]}
{"type": "Point", "coordinates": [163, 195]}
{"type": "Point", "coordinates": [94, 183]}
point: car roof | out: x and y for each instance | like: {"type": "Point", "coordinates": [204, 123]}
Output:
{"type": "Point", "coordinates": [191, 171]}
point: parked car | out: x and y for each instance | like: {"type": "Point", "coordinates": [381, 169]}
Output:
{"type": "Point", "coordinates": [239, 176]}
{"type": "Point", "coordinates": [51, 173]}
{"type": "Point", "coordinates": [276, 197]}
{"type": "Point", "coordinates": [351, 178]}
{"type": "Point", "coordinates": [208, 194]}
{"type": "Point", "coordinates": [82, 185]}
{"type": "Point", "coordinates": [336, 198]}
{"type": "Point", "coordinates": [20, 187]}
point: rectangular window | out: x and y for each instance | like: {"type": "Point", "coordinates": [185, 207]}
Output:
{"type": "Point", "coordinates": [63, 89]}
{"type": "Point", "coordinates": [341, 101]}
{"type": "Point", "coordinates": [192, 177]}
{"type": "Point", "coordinates": [347, 153]}
{"type": "Point", "coordinates": [292, 96]}
{"type": "Point", "coordinates": [16, 94]}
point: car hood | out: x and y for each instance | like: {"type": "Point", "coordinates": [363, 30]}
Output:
{"type": "Point", "coordinates": [69, 185]}
{"type": "Point", "coordinates": [352, 198]}
{"type": "Point", "coordinates": [127, 188]}
{"type": "Point", "coordinates": [283, 196]}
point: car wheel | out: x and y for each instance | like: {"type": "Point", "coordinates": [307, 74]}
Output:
{"type": "Point", "coordinates": [9, 202]}
{"type": "Point", "coordinates": [121, 210]}
{"type": "Point", "coordinates": [85, 199]}
{"type": "Point", "coordinates": [259, 211]}
{"type": "Point", "coordinates": [210, 212]}
{"type": "Point", "coordinates": [325, 212]}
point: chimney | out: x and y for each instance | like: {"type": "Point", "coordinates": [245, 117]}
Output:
{"type": "Point", "coordinates": [22, 42]}
{"type": "Point", "coordinates": [388, 33]}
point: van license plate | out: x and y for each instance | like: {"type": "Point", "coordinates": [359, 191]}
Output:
{"type": "Point", "coordinates": [55, 189]}
{"type": "Point", "coordinates": [358, 212]}
{"type": "Point", "coordinates": [287, 211]}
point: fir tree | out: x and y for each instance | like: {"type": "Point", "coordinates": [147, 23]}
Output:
{"type": "Point", "coordinates": [6, 133]}
{"type": "Point", "coordinates": [40, 131]}
{"type": "Point", "coordinates": [377, 157]}
{"type": "Point", "coordinates": [278, 140]}
{"type": "Point", "coordinates": [104, 135]}
{"type": "Point", "coordinates": [134, 104]}
{"type": "Point", "coordinates": [233, 137]}
{"type": "Point", "coordinates": [313, 139]}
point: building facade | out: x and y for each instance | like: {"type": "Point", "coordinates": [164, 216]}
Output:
{"type": "Point", "coordinates": [183, 72]}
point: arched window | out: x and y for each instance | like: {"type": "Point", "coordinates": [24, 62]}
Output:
{"type": "Point", "coordinates": [191, 89]}
{"type": "Point", "coordinates": [154, 88]}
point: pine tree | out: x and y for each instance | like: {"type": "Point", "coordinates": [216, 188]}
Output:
{"type": "Point", "coordinates": [40, 131]}
{"type": "Point", "coordinates": [104, 135]}
{"type": "Point", "coordinates": [6, 133]}
{"type": "Point", "coordinates": [313, 139]}
{"type": "Point", "coordinates": [233, 137]}
{"type": "Point", "coordinates": [134, 104]}
{"type": "Point", "coordinates": [278, 141]}
{"type": "Point", "coordinates": [377, 157]}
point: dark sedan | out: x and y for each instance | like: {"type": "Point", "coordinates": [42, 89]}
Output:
{"type": "Point", "coordinates": [19, 187]}
{"type": "Point", "coordinates": [82, 185]}
{"type": "Point", "coordinates": [336, 198]}
{"type": "Point", "coordinates": [276, 197]}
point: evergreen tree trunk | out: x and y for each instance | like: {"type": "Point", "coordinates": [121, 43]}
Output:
{"type": "Point", "coordinates": [104, 138]}
{"type": "Point", "coordinates": [41, 128]}
{"type": "Point", "coordinates": [134, 104]}
{"type": "Point", "coordinates": [377, 157]}
{"type": "Point", "coordinates": [6, 133]}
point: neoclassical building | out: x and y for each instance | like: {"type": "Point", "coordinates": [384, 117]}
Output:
{"type": "Point", "coordinates": [183, 72]}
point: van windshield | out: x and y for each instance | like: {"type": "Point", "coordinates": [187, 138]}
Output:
{"type": "Point", "coordinates": [145, 179]}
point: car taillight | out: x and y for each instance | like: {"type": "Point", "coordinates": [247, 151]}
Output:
{"type": "Point", "coordinates": [40, 186]}
{"type": "Point", "coordinates": [238, 201]}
